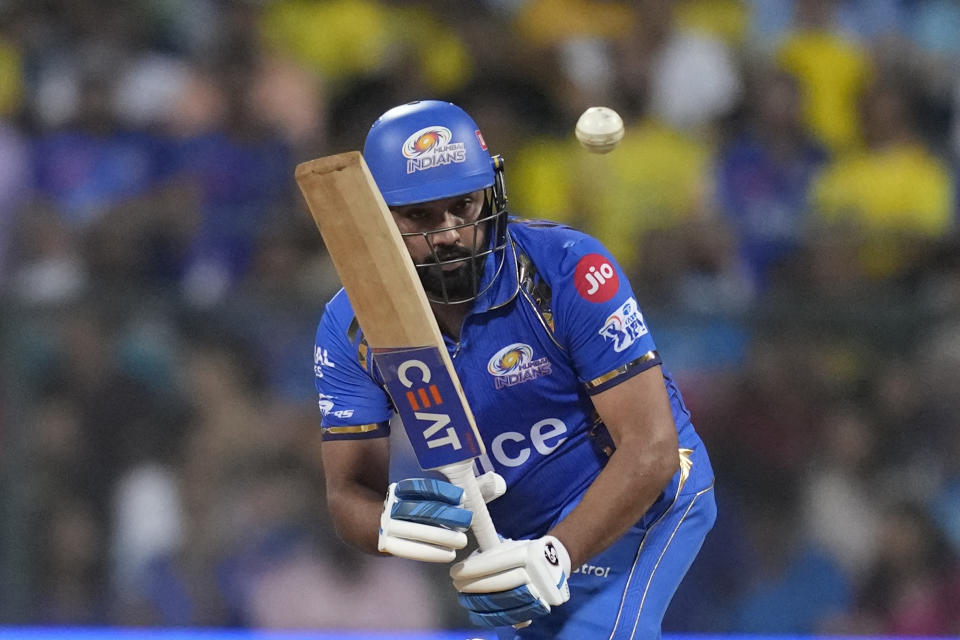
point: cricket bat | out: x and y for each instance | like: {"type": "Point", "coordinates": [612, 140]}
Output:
{"type": "Point", "coordinates": [383, 286]}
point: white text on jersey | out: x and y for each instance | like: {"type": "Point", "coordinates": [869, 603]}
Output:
{"type": "Point", "coordinates": [509, 448]}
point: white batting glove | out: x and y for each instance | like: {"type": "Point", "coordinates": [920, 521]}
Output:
{"type": "Point", "coordinates": [514, 582]}
{"type": "Point", "coordinates": [423, 519]}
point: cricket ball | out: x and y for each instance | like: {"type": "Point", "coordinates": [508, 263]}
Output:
{"type": "Point", "coordinates": [599, 129]}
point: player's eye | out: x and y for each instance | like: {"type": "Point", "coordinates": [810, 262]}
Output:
{"type": "Point", "coordinates": [416, 214]}
{"type": "Point", "coordinates": [462, 208]}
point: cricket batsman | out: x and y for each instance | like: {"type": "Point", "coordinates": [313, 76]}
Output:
{"type": "Point", "coordinates": [595, 476]}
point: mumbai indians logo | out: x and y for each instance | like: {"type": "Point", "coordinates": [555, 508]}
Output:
{"type": "Point", "coordinates": [514, 364]}
{"type": "Point", "coordinates": [624, 326]}
{"type": "Point", "coordinates": [430, 147]}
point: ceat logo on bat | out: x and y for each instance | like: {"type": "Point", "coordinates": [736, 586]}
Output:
{"type": "Point", "coordinates": [425, 396]}
{"type": "Point", "coordinates": [416, 376]}
{"type": "Point", "coordinates": [420, 394]}
{"type": "Point", "coordinates": [595, 278]}
{"type": "Point", "coordinates": [624, 326]}
{"type": "Point", "coordinates": [514, 364]}
{"type": "Point", "coordinates": [430, 147]}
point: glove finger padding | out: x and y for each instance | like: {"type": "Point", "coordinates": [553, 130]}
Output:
{"type": "Point", "coordinates": [429, 489]}
{"type": "Point", "coordinates": [430, 502]}
{"type": "Point", "coordinates": [502, 609]}
{"type": "Point", "coordinates": [431, 513]}
{"type": "Point", "coordinates": [493, 582]}
{"type": "Point", "coordinates": [514, 582]}
{"type": "Point", "coordinates": [425, 533]}
{"type": "Point", "coordinates": [422, 520]}
{"type": "Point", "coordinates": [420, 550]}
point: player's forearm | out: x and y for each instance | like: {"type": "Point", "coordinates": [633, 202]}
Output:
{"type": "Point", "coordinates": [633, 479]}
{"type": "Point", "coordinates": [356, 515]}
{"type": "Point", "coordinates": [356, 473]}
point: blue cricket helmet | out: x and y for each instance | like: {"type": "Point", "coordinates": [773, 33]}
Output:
{"type": "Point", "coordinates": [427, 150]}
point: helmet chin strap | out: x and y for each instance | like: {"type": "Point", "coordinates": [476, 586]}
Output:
{"type": "Point", "coordinates": [499, 186]}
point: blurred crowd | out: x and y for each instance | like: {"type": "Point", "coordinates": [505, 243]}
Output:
{"type": "Point", "coordinates": [785, 200]}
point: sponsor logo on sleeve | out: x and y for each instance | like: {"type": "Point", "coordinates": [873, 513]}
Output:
{"type": "Point", "coordinates": [624, 326]}
{"type": "Point", "coordinates": [430, 147]}
{"type": "Point", "coordinates": [595, 278]}
{"type": "Point", "coordinates": [321, 359]}
{"type": "Point", "coordinates": [326, 404]}
{"type": "Point", "coordinates": [514, 364]}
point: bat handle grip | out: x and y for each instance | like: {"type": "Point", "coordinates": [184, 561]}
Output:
{"type": "Point", "coordinates": [461, 474]}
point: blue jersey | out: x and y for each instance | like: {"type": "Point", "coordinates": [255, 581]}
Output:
{"type": "Point", "coordinates": [560, 324]}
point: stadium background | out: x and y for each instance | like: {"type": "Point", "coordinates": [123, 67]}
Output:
{"type": "Point", "coordinates": [785, 200]}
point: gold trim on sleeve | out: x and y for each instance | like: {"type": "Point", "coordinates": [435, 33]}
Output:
{"type": "Point", "coordinates": [686, 464]}
{"type": "Point", "coordinates": [360, 428]}
{"type": "Point", "coordinates": [596, 382]}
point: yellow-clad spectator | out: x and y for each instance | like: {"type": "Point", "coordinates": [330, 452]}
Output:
{"type": "Point", "coordinates": [11, 80]}
{"type": "Point", "coordinates": [833, 71]}
{"type": "Point", "coordinates": [336, 37]}
{"type": "Point", "coordinates": [727, 20]}
{"type": "Point", "coordinates": [893, 192]}
{"type": "Point", "coordinates": [656, 179]}
{"type": "Point", "coordinates": [542, 183]}
{"type": "Point", "coordinates": [546, 23]}
{"type": "Point", "coordinates": [345, 39]}
{"type": "Point", "coordinates": [902, 188]}
{"type": "Point", "coordinates": [445, 63]}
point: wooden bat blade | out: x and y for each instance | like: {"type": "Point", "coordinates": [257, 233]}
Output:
{"type": "Point", "coordinates": [367, 251]}
{"type": "Point", "coordinates": [394, 313]}
{"type": "Point", "coordinates": [391, 306]}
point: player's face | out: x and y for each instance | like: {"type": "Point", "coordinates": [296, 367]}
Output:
{"type": "Point", "coordinates": [443, 237]}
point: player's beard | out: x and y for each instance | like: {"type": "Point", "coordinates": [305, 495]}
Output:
{"type": "Point", "coordinates": [461, 283]}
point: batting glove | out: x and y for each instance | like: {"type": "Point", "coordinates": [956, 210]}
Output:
{"type": "Point", "coordinates": [514, 582]}
{"type": "Point", "coordinates": [423, 519]}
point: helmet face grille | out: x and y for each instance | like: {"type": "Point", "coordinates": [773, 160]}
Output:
{"type": "Point", "coordinates": [465, 284]}
{"type": "Point", "coordinates": [430, 150]}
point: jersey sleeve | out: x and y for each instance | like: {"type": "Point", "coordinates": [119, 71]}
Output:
{"type": "Point", "coordinates": [352, 404]}
{"type": "Point", "coordinates": [598, 317]}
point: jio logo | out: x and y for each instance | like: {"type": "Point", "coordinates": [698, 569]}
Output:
{"type": "Point", "coordinates": [595, 278]}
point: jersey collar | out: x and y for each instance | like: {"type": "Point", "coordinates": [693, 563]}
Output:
{"type": "Point", "coordinates": [507, 284]}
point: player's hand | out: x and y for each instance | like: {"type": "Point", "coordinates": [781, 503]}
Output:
{"type": "Point", "coordinates": [514, 582]}
{"type": "Point", "coordinates": [423, 519]}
